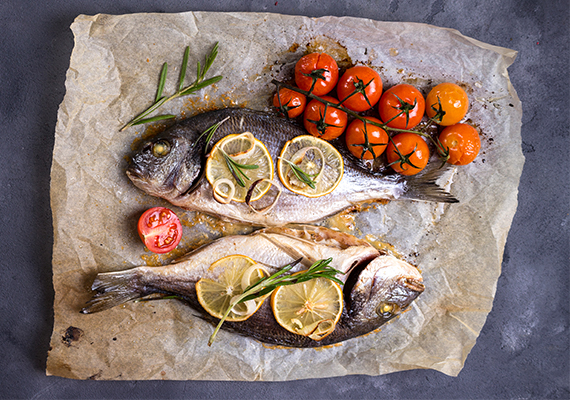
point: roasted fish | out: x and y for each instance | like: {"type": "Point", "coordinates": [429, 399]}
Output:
{"type": "Point", "coordinates": [170, 165]}
{"type": "Point", "coordinates": [377, 286]}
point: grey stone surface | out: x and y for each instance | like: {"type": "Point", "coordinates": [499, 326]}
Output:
{"type": "Point", "coordinates": [522, 351]}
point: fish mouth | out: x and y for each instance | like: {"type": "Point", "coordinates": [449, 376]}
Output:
{"type": "Point", "coordinates": [413, 284]}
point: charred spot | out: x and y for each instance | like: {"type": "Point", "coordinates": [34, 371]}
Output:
{"type": "Point", "coordinates": [71, 335]}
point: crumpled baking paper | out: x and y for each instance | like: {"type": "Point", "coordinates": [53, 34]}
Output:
{"type": "Point", "coordinates": [113, 76]}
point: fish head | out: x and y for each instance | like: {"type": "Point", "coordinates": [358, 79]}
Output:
{"type": "Point", "coordinates": [383, 289]}
{"type": "Point", "coordinates": [168, 164]}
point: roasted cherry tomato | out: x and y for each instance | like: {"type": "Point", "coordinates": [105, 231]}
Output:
{"type": "Point", "coordinates": [402, 106]}
{"type": "Point", "coordinates": [407, 153]}
{"type": "Point", "coordinates": [366, 141]}
{"type": "Point", "coordinates": [320, 66]}
{"type": "Point", "coordinates": [462, 142]}
{"type": "Point", "coordinates": [160, 229]}
{"type": "Point", "coordinates": [291, 102]}
{"type": "Point", "coordinates": [323, 121]}
{"type": "Point", "coordinates": [360, 80]}
{"type": "Point", "coordinates": [454, 102]}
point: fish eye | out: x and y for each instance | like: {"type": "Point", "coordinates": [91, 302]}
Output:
{"type": "Point", "coordinates": [386, 310]}
{"type": "Point", "coordinates": [161, 148]}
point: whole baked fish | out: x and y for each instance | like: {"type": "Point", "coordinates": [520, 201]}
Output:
{"type": "Point", "coordinates": [377, 286]}
{"type": "Point", "coordinates": [177, 173]}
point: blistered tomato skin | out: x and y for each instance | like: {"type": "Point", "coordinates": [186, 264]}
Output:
{"type": "Point", "coordinates": [454, 102]}
{"type": "Point", "coordinates": [311, 63]}
{"type": "Point", "coordinates": [355, 139]}
{"type": "Point", "coordinates": [463, 143]}
{"type": "Point", "coordinates": [160, 229]}
{"type": "Point", "coordinates": [359, 77]}
{"type": "Point", "coordinates": [410, 147]}
{"type": "Point", "coordinates": [402, 106]}
{"type": "Point", "coordinates": [331, 126]}
{"type": "Point", "coordinates": [293, 102]}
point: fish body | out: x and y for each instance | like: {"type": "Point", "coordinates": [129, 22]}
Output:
{"type": "Point", "coordinates": [178, 176]}
{"type": "Point", "coordinates": [377, 286]}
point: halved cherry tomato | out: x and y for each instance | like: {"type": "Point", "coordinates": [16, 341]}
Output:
{"type": "Point", "coordinates": [360, 80]}
{"type": "Point", "coordinates": [323, 121]}
{"type": "Point", "coordinates": [356, 135]}
{"type": "Point", "coordinates": [321, 66]}
{"type": "Point", "coordinates": [463, 143]}
{"type": "Point", "coordinates": [407, 153]}
{"type": "Point", "coordinates": [160, 229]}
{"type": "Point", "coordinates": [402, 106]}
{"type": "Point", "coordinates": [293, 102]}
{"type": "Point", "coordinates": [454, 102]}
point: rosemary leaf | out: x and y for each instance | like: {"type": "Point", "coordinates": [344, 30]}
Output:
{"type": "Point", "coordinates": [183, 68]}
{"type": "Point", "coordinates": [301, 175]}
{"type": "Point", "coordinates": [195, 87]}
{"type": "Point", "coordinates": [154, 119]}
{"type": "Point", "coordinates": [161, 82]}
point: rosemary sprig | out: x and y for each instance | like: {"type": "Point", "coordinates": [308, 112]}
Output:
{"type": "Point", "coordinates": [307, 179]}
{"type": "Point", "coordinates": [209, 134]}
{"type": "Point", "coordinates": [198, 84]}
{"type": "Point", "coordinates": [266, 285]}
{"type": "Point", "coordinates": [237, 169]}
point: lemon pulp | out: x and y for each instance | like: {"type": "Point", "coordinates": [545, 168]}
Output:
{"type": "Point", "coordinates": [317, 159]}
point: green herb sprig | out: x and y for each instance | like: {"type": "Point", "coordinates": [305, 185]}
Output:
{"type": "Point", "coordinates": [307, 179]}
{"type": "Point", "coordinates": [237, 169]}
{"type": "Point", "coordinates": [266, 285]}
{"type": "Point", "coordinates": [198, 84]}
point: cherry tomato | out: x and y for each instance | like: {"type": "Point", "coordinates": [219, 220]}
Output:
{"type": "Point", "coordinates": [405, 100]}
{"type": "Point", "coordinates": [357, 144]}
{"type": "Point", "coordinates": [411, 156]}
{"type": "Point", "coordinates": [316, 64]}
{"type": "Point", "coordinates": [323, 121]}
{"type": "Point", "coordinates": [463, 143]}
{"type": "Point", "coordinates": [160, 229]}
{"type": "Point", "coordinates": [293, 102]}
{"type": "Point", "coordinates": [454, 102]}
{"type": "Point", "coordinates": [362, 79]}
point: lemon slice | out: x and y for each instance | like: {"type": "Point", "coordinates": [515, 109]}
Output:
{"type": "Point", "coordinates": [311, 308]}
{"type": "Point", "coordinates": [233, 275]}
{"type": "Point", "coordinates": [317, 159]}
{"type": "Point", "coordinates": [246, 150]}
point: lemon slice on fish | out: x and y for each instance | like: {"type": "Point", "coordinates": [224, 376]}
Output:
{"type": "Point", "coordinates": [233, 274]}
{"type": "Point", "coordinates": [311, 308]}
{"type": "Point", "coordinates": [235, 163]}
{"type": "Point", "coordinates": [310, 166]}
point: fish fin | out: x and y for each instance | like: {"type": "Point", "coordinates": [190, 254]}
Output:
{"type": "Point", "coordinates": [113, 288]}
{"type": "Point", "coordinates": [424, 187]}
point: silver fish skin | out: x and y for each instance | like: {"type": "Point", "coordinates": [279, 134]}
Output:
{"type": "Point", "coordinates": [178, 176]}
{"type": "Point", "coordinates": [377, 286]}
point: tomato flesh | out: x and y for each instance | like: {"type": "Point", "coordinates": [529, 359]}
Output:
{"type": "Point", "coordinates": [463, 143]}
{"type": "Point", "coordinates": [160, 229]}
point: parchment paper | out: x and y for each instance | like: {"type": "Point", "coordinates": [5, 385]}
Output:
{"type": "Point", "coordinates": [113, 76]}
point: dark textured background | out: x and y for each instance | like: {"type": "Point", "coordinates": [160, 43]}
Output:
{"type": "Point", "coordinates": [522, 351]}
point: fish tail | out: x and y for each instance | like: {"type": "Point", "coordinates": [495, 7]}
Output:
{"type": "Point", "coordinates": [114, 288]}
{"type": "Point", "coordinates": [424, 187]}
